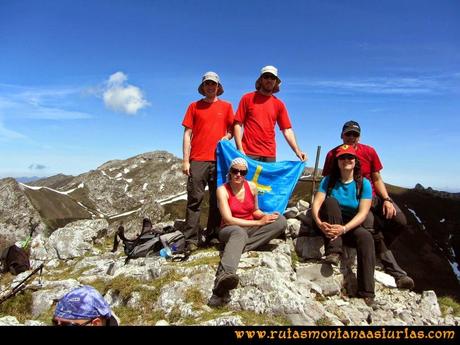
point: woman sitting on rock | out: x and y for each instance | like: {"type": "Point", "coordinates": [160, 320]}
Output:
{"type": "Point", "coordinates": [339, 209]}
{"type": "Point", "coordinates": [244, 227]}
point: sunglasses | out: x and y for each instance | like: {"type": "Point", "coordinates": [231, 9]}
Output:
{"type": "Point", "coordinates": [209, 82]}
{"type": "Point", "coordinates": [352, 134]}
{"type": "Point", "coordinates": [349, 157]}
{"type": "Point", "coordinates": [68, 323]}
{"type": "Point", "coordinates": [268, 76]}
{"type": "Point", "coordinates": [235, 171]}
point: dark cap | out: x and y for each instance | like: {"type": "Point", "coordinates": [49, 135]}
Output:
{"type": "Point", "coordinates": [351, 126]}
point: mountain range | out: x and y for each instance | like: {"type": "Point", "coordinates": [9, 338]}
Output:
{"type": "Point", "coordinates": [152, 185]}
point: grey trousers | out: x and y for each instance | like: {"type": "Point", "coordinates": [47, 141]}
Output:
{"type": "Point", "coordinates": [201, 174]}
{"type": "Point", "coordinates": [238, 240]}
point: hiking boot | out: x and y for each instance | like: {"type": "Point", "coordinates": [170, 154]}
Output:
{"type": "Point", "coordinates": [405, 282]}
{"type": "Point", "coordinates": [191, 246]}
{"type": "Point", "coordinates": [333, 259]}
{"type": "Point", "coordinates": [226, 282]}
{"type": "Point", "coordinates": [370, 301]}
{"type": "Point", "coordinates": [217, 301]}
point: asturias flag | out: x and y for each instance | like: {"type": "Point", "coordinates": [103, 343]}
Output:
{"type": "Point", "coordinates": [275, 181]}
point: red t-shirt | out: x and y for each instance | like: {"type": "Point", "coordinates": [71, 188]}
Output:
{"type": "Point", "coordinates": [259, 114]}
{"type": "Point", "coordinates": [209, 122]}
{"type": "Point", "coordinates": [368, 157]}
{"type": "Point", "coordinates": [241, 209]}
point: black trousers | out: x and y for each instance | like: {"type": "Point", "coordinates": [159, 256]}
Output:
{"type": "Point", "coordinates": [202, 174]}
{"type": "Point", "coordinates": [360, 238]}
{"type": "Point", "coordinates": [390, 228]}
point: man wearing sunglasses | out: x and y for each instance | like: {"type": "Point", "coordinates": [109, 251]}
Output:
{"type": "Point", "coordinates": [83, 306]}
{"type": "Point", "coordinates": [257, 113]}
{"type": "Point", "coordinates": [205, 123]}
{"type": "Point", "coordinates": [385, 215]}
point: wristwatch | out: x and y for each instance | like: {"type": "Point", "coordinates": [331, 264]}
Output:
{"type": "Point", "coordinates": [388, 199]}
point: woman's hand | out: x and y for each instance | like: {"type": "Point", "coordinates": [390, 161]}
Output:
{"type": "Point", "coordinates": [268, 218]}
{"type": "Point", "coordinates": [336, 230]}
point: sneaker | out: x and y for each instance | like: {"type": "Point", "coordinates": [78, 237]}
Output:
{"type": "Point", "coordinates": [405, 282]}
{"type": "Point", "coordinates": [225, 283]}
{"type": "Point", "coordinates": [333, 259]}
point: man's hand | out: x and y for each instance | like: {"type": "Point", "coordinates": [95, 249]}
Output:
{"type": "Point", "coordinates": [302, 156]}
{"type": "Point", "coordinates": [186, 168]}
{"type": "Point", "coordinates": [388, 210]}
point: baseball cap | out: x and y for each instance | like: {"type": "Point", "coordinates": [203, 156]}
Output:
{"type": "Point", "coordinates": [351, 126]}
{"type": "Point", "coordinates": [345, 150]}
{"type": "Point", "coordinates": [215, 78]}
{"type": "Point", "coordinates": [84, 303]}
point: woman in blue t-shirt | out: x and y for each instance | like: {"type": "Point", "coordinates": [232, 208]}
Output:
{"type": "Point", "coordinates": [339, 209]}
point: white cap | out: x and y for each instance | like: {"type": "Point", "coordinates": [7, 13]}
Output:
{"type": "Point", "coordinates": [215, 78]}
{"type": "Point", "coordinates": [211, 76]}
{"type": "Point", "coordinates": [269, 69]}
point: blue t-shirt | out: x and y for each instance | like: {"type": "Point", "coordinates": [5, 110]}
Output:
{"type": "Point", "coordinates": [345, 193]}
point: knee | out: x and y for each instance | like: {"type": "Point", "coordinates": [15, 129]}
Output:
{"type": "Point", "coordinates": [365, 240]}
{"type": "Point", "coordinates": [281, 223]}
{"type": "Point", "coordinates": [239, 233]}
{"type": "Point", "coordinates": [400, 219]}
{"type": "Point", "coordinates": [331, 203]}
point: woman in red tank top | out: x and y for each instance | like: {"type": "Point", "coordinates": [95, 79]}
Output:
{"type": "Point", "coordinates": [244, 227]}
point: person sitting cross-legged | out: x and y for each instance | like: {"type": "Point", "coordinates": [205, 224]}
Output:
{"type": "Point", "coordinates": [244, 227]}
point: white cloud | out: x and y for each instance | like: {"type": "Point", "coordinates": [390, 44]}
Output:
{"type": "Point", "coordinates": [122, 97]}
{"type": "Point", "coordinates": [423, 85]}
{"type": "Point", "coordinates": [7, 134]}
{"type": "Point", "coordinates": [46, 103]}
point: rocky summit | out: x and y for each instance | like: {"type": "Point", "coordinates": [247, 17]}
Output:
{"type": "Point", "coordinates": [76, 219]}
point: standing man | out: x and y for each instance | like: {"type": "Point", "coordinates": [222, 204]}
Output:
{"type": "Point", "coordinates": [258, 112]}
{"type": "Point", "coordinates": [385, 215]}
{"type": "Point", "coordinates": [205, 123]}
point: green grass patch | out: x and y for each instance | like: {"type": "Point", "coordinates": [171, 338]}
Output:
{"type": "Point", "coordinates": [19, 306]}
{"type": "Point", "coordinates": [449, 304]}
{"type": "Point", "coordinates": [6, 278]}
{"type": "Point", "coordinates": [206, 260]}
{"type": "Point", "coordinates": [194, 296]}
{"type": "Point", "coordinates": [323, 321]}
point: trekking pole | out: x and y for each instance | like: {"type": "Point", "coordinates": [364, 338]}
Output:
{"type": "Point", "coordinates": [318, 152]}
{"type": "Point", "coordinates": [21, 284]}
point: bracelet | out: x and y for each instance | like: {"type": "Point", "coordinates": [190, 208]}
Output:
{"type": "Point", "coordinates": [388, 199]}
{"type": "Point", "coordinates": [344, 230]}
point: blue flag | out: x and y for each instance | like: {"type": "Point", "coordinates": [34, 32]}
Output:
{"type": "Point", "coordinates": [275, 181]}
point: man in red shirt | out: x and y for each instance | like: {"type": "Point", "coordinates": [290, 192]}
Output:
{"type": "Point", "coordinates": [385, 215]}
{"type": "Point", "coordinates": [258, 112]}
{"type": "Point", "coordinates": [205, 123]}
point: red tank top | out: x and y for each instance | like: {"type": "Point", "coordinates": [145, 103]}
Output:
{"type": "Point", "coordinates": [241, 209]}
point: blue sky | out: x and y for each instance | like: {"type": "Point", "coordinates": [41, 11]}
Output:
{"type": "Point", "coordinates": [84, 82]}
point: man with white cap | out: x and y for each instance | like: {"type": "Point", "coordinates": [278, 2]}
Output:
{"type": "Point", "coordinates": [205, 123]}
{"type": "Point", "coordinates": [257, 113]}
